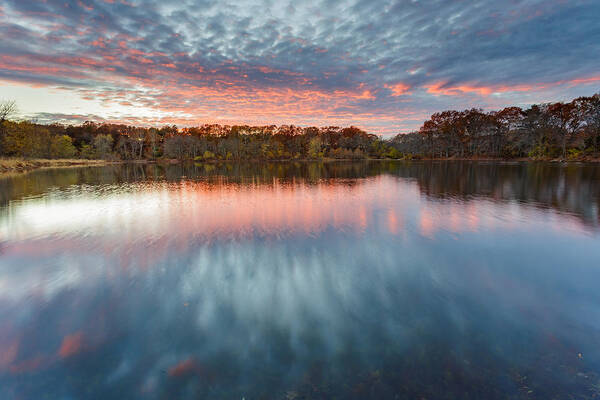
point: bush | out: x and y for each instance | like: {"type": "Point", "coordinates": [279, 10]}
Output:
{"type": "Point", "coordinates": [347, 154]}
{"type": "Point", "coordinates": [393, 153]}
{"type": "Point", "coordinates": [87, 152]}
{"type": "Point", "coordinates": [574, 154]}
{"type": "Point", "coordinates": [62, 147]}
{"type": "Point", "coordinates": [538, 152]}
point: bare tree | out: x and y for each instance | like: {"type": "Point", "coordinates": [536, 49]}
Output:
{"type": "Point", "coordinates": [7, 109]}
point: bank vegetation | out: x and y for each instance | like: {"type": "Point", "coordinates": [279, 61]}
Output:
{"type": "Point", "coordinates": [564, 131]}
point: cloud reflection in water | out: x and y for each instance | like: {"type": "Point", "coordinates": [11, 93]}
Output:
{"type": "Point", "coordinates": [359, 288]}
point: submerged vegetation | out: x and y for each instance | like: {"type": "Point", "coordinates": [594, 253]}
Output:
{"type": "Point", "coordinates": [554, 130]}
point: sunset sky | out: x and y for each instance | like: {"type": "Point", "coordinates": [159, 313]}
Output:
{"type": "Point", "coordinates": [381, 65]}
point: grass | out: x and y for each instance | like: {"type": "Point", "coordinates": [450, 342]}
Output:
{"type": "Point", "coordinates": [24, 164]}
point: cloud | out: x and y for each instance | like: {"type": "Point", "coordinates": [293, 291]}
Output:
{"type": "Point", "coordinates": [71, 345]}
{"type": "Point", "coordinates": [358, 61]}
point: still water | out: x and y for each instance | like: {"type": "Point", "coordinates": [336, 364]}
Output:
{"type": "Point", "coordinates": [301, 281]}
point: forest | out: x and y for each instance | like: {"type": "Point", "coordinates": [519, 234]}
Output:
{"type": "Point", "coordinates": [545, 131]}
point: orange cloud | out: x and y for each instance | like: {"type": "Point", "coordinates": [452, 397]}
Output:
{"type": "Point", "coordinates": [186, 367]}
{"type": "Point", "coordinates": [583, 81]}
{"type": "Point", "coordinates": [442, 87]}
{"type": "Point", "coordinates": [71, 345]}
{"type": "Point", "coordinates": [176, 89]}
{"type": "Point", "coordinates": [9, 354]}
{"type": "Point", "coordinates": [399, 89]}
{"type": "Point", "coordinates": [28, 365]}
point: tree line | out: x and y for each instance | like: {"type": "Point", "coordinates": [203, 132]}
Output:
{"type": "Point", "coordinates": [551, 130]}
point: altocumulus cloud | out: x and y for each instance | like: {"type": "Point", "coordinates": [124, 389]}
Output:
{"type": "Point", "coordinates": [382, 65]}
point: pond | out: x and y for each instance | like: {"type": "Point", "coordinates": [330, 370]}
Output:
{"type": "Point", "coordinates": [358, 280]}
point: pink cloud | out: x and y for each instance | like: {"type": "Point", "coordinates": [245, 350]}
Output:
{"type": "Point", "coordinates": [399, 89]}
{"type": "Point", "coordinates": [71, 345]}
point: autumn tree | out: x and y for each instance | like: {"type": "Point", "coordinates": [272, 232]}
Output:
{"type": "Point", "coordinates": [136, 141]}
{"type": "Point", "coordinates": [103, 146]}
{"type": "Point", "coordinates": [24, 139]}
{"type": "Point", "coordinates": [62, 147]}
{"type": "Point", "coordinates": [505, 122]}
{"type": "Point", "coordinates": [565, 120]}
{"type": "Point", "coordinates": [7, 109]}
{"type": "Point", "coordinates": [314, 147]}
{"type": "Point", "coordinates": [590, 116]}
{"type": "Point", "coordinates": [175, 147]}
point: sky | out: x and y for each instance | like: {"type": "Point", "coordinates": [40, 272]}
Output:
{"type": "Point", "coordinates": [381, 65]}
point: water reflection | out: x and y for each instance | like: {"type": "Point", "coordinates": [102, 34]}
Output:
{"type": "Point", "coordinates": [573, 188]}
{"type": "Point", "coordinates": [349, 280]}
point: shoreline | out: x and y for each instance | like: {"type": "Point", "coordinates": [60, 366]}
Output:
{"type": "Point", "coordinates": [19, 165]}
{"type": "Point", "coordinates": [589, 160]}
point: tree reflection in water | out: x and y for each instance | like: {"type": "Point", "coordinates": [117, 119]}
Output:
{"type": "Point", "coordinates": [301, 280]}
